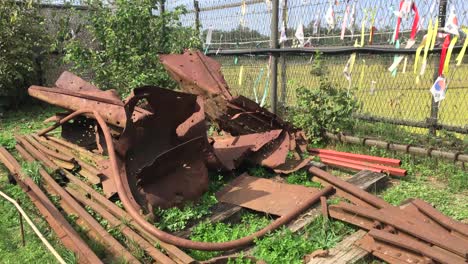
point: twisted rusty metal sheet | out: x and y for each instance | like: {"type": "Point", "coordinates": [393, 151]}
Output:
{"type": "Point", "coordinates": [73, 93]}
{"type": "Point", "coordinates": [201, 75]}
{"type": "Point", "coordinates": [162, 153]}
{"type": "Point", "coordinates": [133, 208]}
{"type": "Point", "coordinates": [232, 150]}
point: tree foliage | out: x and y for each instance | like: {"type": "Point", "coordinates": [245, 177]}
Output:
{"type": "Point", "coordinates": [22, 40]}
{"type": "Point", "coordinates": [326, 108]}
{"type": "Point", "coordinates": [127, 37]}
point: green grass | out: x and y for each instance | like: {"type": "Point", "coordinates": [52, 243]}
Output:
{"type": "Point", "coordinates": [441, 183]}
{"type": "Point", "coordinates": [11, 249]}
{"type": "Point", "coordinates": [23, 121]}
{"type": "Point", "coordinates": [283, 246]}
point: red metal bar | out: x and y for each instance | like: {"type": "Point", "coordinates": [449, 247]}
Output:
{"type": "Point", "coordinates": [372, 159]}
{"type": "Point", "coordinates": [347, 165]}
{"type": "Point", "coordinates": [390, 170]}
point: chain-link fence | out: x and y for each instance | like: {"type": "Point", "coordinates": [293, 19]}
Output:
{"type": "Point", "coordinates": [237, 33]}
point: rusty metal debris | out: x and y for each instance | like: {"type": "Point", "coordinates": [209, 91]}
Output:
{"type": "Point", "coordinates": [160, 157]}
{"type": "Point", "coordinates": [232, 150]}
{"type": "Point", "coordinates": [265, 195]}
{"type": "Point", "coordinates": [239, 115]}
{"type": "Point", "coordinates": [69, 237]}
{"type": "Point", "coordinates": [73, 93]}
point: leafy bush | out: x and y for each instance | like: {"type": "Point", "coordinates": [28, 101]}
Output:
{"type": "Point", "coordinates": [127, 38]}
{"type": "Point", "coordinates": [22, 40]}
{"type": "Point", "coordinates": [323, 109]}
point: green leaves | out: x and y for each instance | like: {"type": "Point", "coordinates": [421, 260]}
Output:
{"type": "Point", "coordinates": [126, 44]}
{"type": "Point", "coordinates": [321, 109]}
{"type": "Point", "coordinates": [22, 40]}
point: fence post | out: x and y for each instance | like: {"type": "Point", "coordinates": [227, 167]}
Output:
{"type": "Point", "coordinates": [274, 56]}
{"type": "Point", "coordinates": [283, 56]}
{"type": "Point", "coordinates": [197, 16]}
{"type": "Point", "coordinates": [435, 105]}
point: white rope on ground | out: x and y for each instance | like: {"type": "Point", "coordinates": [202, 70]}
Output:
{"type": "Point", "coordinates": [38, 233]}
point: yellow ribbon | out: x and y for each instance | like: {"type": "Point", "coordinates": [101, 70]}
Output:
{"type": "Point", "coordinates": [361, 78]}
{"type": "Point", "coordinates": [241, 75]}
{"type": "Point", "coordinates": [363, 29]}
{"type": "Point", "coordinates": [449, 55]}
{"type": "Point", "coordinates": [405, 64]}
{"type": "Point", "coordinates": [434, 34]}
{"type": "Point", "coordinates": [419, 50]}
{"type": "Point", "coordinates": [463, 50]}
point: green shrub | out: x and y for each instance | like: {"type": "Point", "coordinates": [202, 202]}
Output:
{"type": "Point", "coordinates": [325, 108]}
{"type": "Point", "coordinates": [22, 41]}
{"type": "Point", "coordinates": [127, 39]}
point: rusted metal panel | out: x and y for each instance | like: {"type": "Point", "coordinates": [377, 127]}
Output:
{"type": "Point", "coordinates": [197, 73]}
{"type": "Point", "coordinates": [231, 150]}
{"type": "Point", "coordinates": [201, 75]}
{"type": "Point", "coordinates": [264, 195]}
{"type": "Point", "coordinates": [162, 154]}
{"type": "Point", "coordinates": [292, 165]}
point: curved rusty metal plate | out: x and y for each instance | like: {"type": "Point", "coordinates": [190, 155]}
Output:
{"type": "Point", "coordinates": [163, 154]}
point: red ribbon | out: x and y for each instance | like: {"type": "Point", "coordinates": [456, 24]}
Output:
{"type": "Point", "coordinates": [397, 31]}
{"type": "Point", "coordinates": [443, 55]}
{"type": "Point", "coordinates": [414, 29]}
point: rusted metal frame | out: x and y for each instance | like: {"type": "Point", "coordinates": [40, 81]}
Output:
{"type": "Point", "coordinates": [440, 218]}
{"type": "Point", "coordinates": [63, 150]}
{"type": "Point", "coordinates": [64, 231]}
{"type": "Point", "coordinates": [72, 147]}
{"type": "Point", "coordinates": [63, 164]}
{"type": "Point", "coordinates": [129, 201]}
{"type": "Point", "coordinates": [349, 188]}
{"type": "Point", "coordinates": [389, 252]}
{"type": "Point", "coordinates": [178, 255]}
{"type": "Point", "coordinates": [415, 246]}
{"type": "Point", "coordinates": [79, 95]}
{"type": "Point", "coordinates": [157, 255]}
{"type": "Point", "coordinates": [422, 230]}
{"type": "Point", "coordinates": [49, 152]}
{"type": "Point", "coordinates": [36, 153]}
{"type": "Point", "coordinates": [71, 206]}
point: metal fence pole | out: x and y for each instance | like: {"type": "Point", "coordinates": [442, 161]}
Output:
{"type": "Point", "coordinates": [433, 119]}
{"type": "Point", "coordinates": [197, 16]}
{"type": "Point", "coordinates": [274, 57]}
{"type": "Point", "coordinates": [283, 56]}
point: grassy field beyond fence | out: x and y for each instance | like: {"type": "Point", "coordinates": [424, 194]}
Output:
{"type": "Point", "coordinates": [379, 93]}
